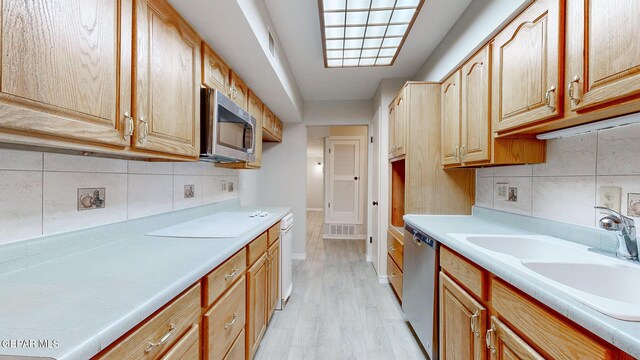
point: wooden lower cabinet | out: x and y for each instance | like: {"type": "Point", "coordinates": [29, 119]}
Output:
{"type": "Point", "coordinates": [256, 304]}
{"type": "Point", "coordinates": [519, 326]}
{"type": "Point", "coordinates": [238, 350]}
{"type": "Point", "coordinates": [273, 278]}
{"type": "Point", "coordinates": [187, 348]}
{"type": "Point", "coordinates": [395, 277]}
{"type": "Point", "coordinates": [462, 323]}
{"type": "Point", "coordinates": [504, 344]}
{"type": "Point", "coordinates": [225, 321]}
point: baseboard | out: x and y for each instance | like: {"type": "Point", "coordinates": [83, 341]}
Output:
{"type": "Point", "coordinates": [315, 209]}
{"type": "Point", "coordinates": [383, 279]}
{"type": "Point", "coordinates": [342, 237]}
{"type": "Point", "coordinates": [299, 256]}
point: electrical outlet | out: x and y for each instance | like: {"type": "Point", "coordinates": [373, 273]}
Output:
{"type": "Point", "coordinates": [223, 185]}
{"type": "Point", "coordinates": [609, 196]}
{"type": "Point", "coordinates": [502, 191]}
{"type": "Point", "coordinates": [230, 186]}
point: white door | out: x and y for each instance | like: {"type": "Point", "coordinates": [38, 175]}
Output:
{"type": "Point", "coordinates": [344, 181]}
{"type": "Point", "coordinates": [375, 189]}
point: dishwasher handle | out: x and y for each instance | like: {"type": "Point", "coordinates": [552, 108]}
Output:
{"type": "Point", "coordinates": [420, 238]}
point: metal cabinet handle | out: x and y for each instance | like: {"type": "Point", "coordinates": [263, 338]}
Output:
{"type": "Point", "coordinates": [463, 152]}
{"type": "Point", "coordinates": [233, 321]}
{"type": "Point", "coordinates": [163, 339]}
{"type": "Point", "coordinates": [474, 323]}
{"type": "Point", "coordinates": [570, 87]}
{"type": "Point", "coordinates": [144, 131]}
{"type": "Point", "coordinates": [488, 339]}
{"type": "Point", "coordinates": [231, 274]}
{"type": "Point", "coordinates": [547, 98]}
{"type": "Point", "coordinates": [128, 125]}
{"type": "Point", "coordinates": [392, 248]}
{"type": "Point", "coordinates": [456, 154]}
{"type": "Point", "coordinates": [393, 275]}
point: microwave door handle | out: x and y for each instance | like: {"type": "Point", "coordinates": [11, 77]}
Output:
{"type": "Point", "coordinates": [253, 137]}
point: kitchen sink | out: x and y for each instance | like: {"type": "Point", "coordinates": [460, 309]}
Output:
{"type": "Point", "coordinates": [604, 283]}
{"type": "Point", "coordinates": [607, 287]}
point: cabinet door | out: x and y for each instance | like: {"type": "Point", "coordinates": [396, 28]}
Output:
{"type": "Point", "coordinates": [256, 110]}
{"type": "Point", "coordinates": [611, 52]}
{"type": "Point", "coordinates": [215, 73]}
{"type": "Point", "coordinates": [475, 129]}
{"type": "Point", "coordinates": [167, 81]}
{"type": "Point", "coordinates": [239, 91]}
{"type": "Point", "coordinates": [66, 69]}
{"type": "Point", "coordinates": [462, 323]}
{"type": "Point", "coordinates": [450, 113]}
{"type": "Point", "coordinates": [392, 130]}
{"type": "Point", "coordinates": [257, 304]}
{"type": "Point", "coordinates": [526, 77]}
{"type": "Point", "coordinates": [401, 122]}
{"type": "Point", "coordinates": [273, 261]}
{"type": "Point", "coordinates": [504, 344]}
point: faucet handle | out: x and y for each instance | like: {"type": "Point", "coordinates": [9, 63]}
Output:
{"type": "Point", "coordinates": [627, 221]}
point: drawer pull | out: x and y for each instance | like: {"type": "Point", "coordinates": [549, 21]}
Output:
{"type": "Point", "coordinates": [163, 340]}
{"type": "Point", "coordinates": [231, 274]}
{"type": "Point", "coordinates": [393, 275]}
{"type": "Point", "coordinates": [233, 321]}
{"type": "Point", "coordinates": [474, 323]}
{"type": "Point", "coordinates": [488, 339]}
{"type": "Point", "coordinates": [393, 248]}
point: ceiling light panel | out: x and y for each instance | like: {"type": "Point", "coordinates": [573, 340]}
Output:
{"type": "Point", "coordinates": [365, 32]}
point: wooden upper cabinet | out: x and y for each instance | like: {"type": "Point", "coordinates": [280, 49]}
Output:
{"type": "Point", "coordinates": [392, 129]}
{"type": "Point", "coordinates": [215, 73]}
{"type": "Point", "coordinates": [167, 72]}
{"type": "Point", "coordinates": [462, 323]}
{"type": "Point", "coordinates": [527, 83]}
{"type": "Point", "coordinates": [271, 127]}
{"type": "Point", "coordinates": [402, 114]}
{"type": "Point", "coordinates": [475, 131]}
{"type": "Point", "coordinates": [609, 69]}
{"type": "Point", "coordinates": [66, 69]}
{"type": "Point", "coordinates": [239, 91]}
{"type": "Point", "coordinates": [504, 344]}
{"type": "Point", "coordinates": [450, 117]}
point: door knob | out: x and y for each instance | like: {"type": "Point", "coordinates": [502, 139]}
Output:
{"type": "Point", "coordinates": [355, 178]}
{"type": "Point", "coordinates": [375, 203]}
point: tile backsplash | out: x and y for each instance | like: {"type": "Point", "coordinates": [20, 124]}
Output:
{"type": "Point", "coordinates": [44, 193]}
{"type": "Point", "coordinates": [565, 188]}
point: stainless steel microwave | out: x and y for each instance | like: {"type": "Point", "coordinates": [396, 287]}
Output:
{"type": "Point", "coordinates": [227, 131]}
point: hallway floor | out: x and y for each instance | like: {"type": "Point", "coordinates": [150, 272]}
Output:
{"type": "Point", "coordinates": [338, 310]}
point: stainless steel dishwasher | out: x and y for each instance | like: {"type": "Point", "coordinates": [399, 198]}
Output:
{"type": "Point", "coordinates": [420, 287]}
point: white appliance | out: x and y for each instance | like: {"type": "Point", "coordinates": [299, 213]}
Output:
{"type": "Point", "coordinates": [286, 271]}
{"type": "Point", "coordinates": [420, 287]}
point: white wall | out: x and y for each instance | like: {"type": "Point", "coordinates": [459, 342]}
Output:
{"type": "Point", "coordinates": [352, 112]}
{"type": "Point", "coordinates": [282, 180]}
{"type": "Point", "coordinates": [315, 182]}
{"type": "Point", "coordinates": [479, 22]}
{"type": "Point", "coordinates": [565, 188]}
{"type": "Point", "coordinates": [39, 191]}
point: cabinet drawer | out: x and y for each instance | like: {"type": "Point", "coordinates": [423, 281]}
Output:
{"type": "Point", "coordinates": [274, 233]}
{"type": "Point", "coordinates": [225, 321]}
{"type": "Point", "coordinates": [238, 349]}
{"type": "Point", "coordinates": [257, 248]}
{"type": "Point", "coordinates": [549, 332]}
{"type": "Point", "coordinates": [220, 279]}
{"type": "Point", "coordinates": [396, 249]}
{"type": "Point", "coordinates": [463, 271]}
{"type": "Point", "coordinates": [187, 348]}
{"type": "Point", "coordinates": [395, 276]}
{"type": "Point", "coordinates": [167, 325]}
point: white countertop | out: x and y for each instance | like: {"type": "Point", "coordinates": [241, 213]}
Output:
{"type": "Point", "coordinates": [623, 334]}
{"type": "Point", "coordinates": [88, 299]}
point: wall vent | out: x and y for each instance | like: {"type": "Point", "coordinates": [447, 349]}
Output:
{"type": "Point", "coordinates": [272, 44]}
{"type": "Point", "coordinates": [342, 230]}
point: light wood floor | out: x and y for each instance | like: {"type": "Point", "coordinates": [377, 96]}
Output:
{"type": "Point", "coordinates": [338, 310]}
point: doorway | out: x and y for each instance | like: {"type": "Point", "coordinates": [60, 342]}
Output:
{"type": "Point", "coordinates": [337, 181]}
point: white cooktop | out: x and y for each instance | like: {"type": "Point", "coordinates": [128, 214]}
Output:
{"type": "Point", "coordinates": [219, 225]}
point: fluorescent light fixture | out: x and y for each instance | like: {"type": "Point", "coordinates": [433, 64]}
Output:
{"type": "Point", "coordinates": [358, 33]}
{"type": "Point", "coordinates": [591, 127]}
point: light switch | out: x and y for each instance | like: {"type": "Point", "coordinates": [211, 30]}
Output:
{"type": "Point", "coordinates": [609, 196]}
{"type": "Point", "coordinates": [502, 191]}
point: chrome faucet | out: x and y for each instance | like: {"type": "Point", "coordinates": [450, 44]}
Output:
{"type": "Point", "coordinates": [625, 229]}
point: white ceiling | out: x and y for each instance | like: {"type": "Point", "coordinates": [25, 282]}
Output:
{"type": "Point", "coordinates": [297, 24]}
